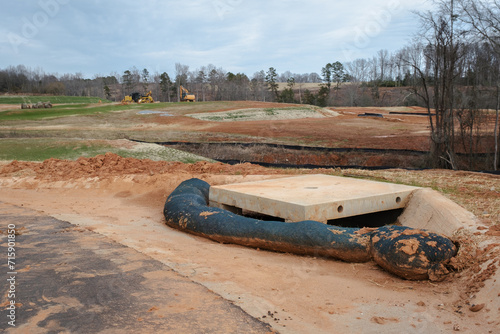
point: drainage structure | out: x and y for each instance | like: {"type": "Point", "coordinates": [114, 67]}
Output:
{"type": "Point", "coordinates": [411, 253]}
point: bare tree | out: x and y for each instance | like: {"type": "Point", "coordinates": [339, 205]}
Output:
{"type": "Point", "coordinates": [374, 76]}
{"type": "Point", "coordinates": [258, 86]}
{"type": "Point", "coordinates": [484, 18]}
{"type": "Point", "coordinates": [383, 62]}
{"type": "Point", "coordinates": [201, 80]}
{"type": "Point", "coordinates": [314, 77]}
{"type": "Point", "coordinates": [181, 73]}
{"type": "Point", "coordinates": [156, 85]}
{"type": "Point", "coordinates": [441, 55]}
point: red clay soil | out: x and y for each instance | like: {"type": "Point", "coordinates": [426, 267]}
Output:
{"type": "Point", "coordinates": [348, 130]}
{"type": "Point", "coordinates": [111, 165]}
{"type": "Point", "coordinates": [123, 199]}
{"type": "Point", "coordinates": [344, 131]}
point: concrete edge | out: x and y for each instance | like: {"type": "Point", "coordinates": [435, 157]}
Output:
{"type": "Point", "coordinates": [428, 209]}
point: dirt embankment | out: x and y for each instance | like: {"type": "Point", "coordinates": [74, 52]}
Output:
{"type": "Point", "coordinates": [283, 155]}
{"type": "Point", "coordinates": [123, 200]}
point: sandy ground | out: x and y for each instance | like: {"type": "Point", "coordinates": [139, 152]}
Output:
{"type": "Point", "coordinates": [123, 199]}
{"type": "Point", "coordinates": [255, 114]}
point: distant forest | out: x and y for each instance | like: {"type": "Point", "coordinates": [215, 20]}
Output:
{"type": "Point", "coordinates": [357, 83]}
{"type": "Point", "coordinates": [452, 68]}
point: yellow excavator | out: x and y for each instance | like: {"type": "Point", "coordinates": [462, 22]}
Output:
{"type": "Point", "coordinates": [138, 98]}
{"type": "Point", "coordinates": [148, 98]}
{"type": "Point", "coordinates": [185, 96]}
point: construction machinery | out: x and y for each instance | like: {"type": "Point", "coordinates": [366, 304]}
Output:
{"type": "Point", "coordinates": [129, 98]}
{"type": "Point", "coordinates": [138, 98]}
{"type": "Point", "coordinates": [185, 96]}
{"type": "Point", "coordinates": [148, 98]}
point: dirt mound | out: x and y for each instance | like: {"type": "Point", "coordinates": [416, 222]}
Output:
{"type": "Point", "coordinates": [111, 164]}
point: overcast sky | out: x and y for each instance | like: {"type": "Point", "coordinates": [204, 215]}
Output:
{"type": "Point", "coordinates": [100, 37]}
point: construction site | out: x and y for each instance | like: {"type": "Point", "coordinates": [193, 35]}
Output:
{"type": "Point", "coordinates": [250, 167]}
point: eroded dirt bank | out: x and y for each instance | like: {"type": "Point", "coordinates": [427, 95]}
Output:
{"type": "Point", "coordinates": [123, 200]}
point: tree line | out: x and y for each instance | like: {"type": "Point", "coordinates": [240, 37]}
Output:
{"type": "Point", "coordinates": [209, 83]}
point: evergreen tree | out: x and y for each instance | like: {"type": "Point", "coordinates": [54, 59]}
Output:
{"type": "Point", "coordinates": [128, 80]}
{"type": "Point", "coordinates": [272, 85]}
{"type": "Point", "coordinates": [327, 75]}
{"type": "Point", "coordinates": [338, 74]}
{"type": "Point", "coordinates": [145, 79]}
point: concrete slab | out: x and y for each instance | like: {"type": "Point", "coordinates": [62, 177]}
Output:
{"type": "Point", "coordinates": [311, 197]}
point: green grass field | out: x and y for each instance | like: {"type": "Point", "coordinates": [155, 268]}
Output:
{"type": "Point", "coordinates": [18, 99]}
{"type": "Point", "coordinates": [75, 108]}
{"type": "Point", "coordinates": [72, 110]}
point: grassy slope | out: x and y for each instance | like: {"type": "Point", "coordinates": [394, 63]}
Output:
{"type": "Point", "coordinates": [18, 99]}
{"type": "Point", "coordinates": [39, 149]}
{"type": "Point", "coordinates": [71, 110]}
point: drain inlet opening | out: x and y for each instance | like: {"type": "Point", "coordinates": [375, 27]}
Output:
{"type": "Point", "coordinates": [376, 219]}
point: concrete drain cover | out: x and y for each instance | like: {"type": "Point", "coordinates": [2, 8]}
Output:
{"type": "Point", "coordinates": [311, 197]}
